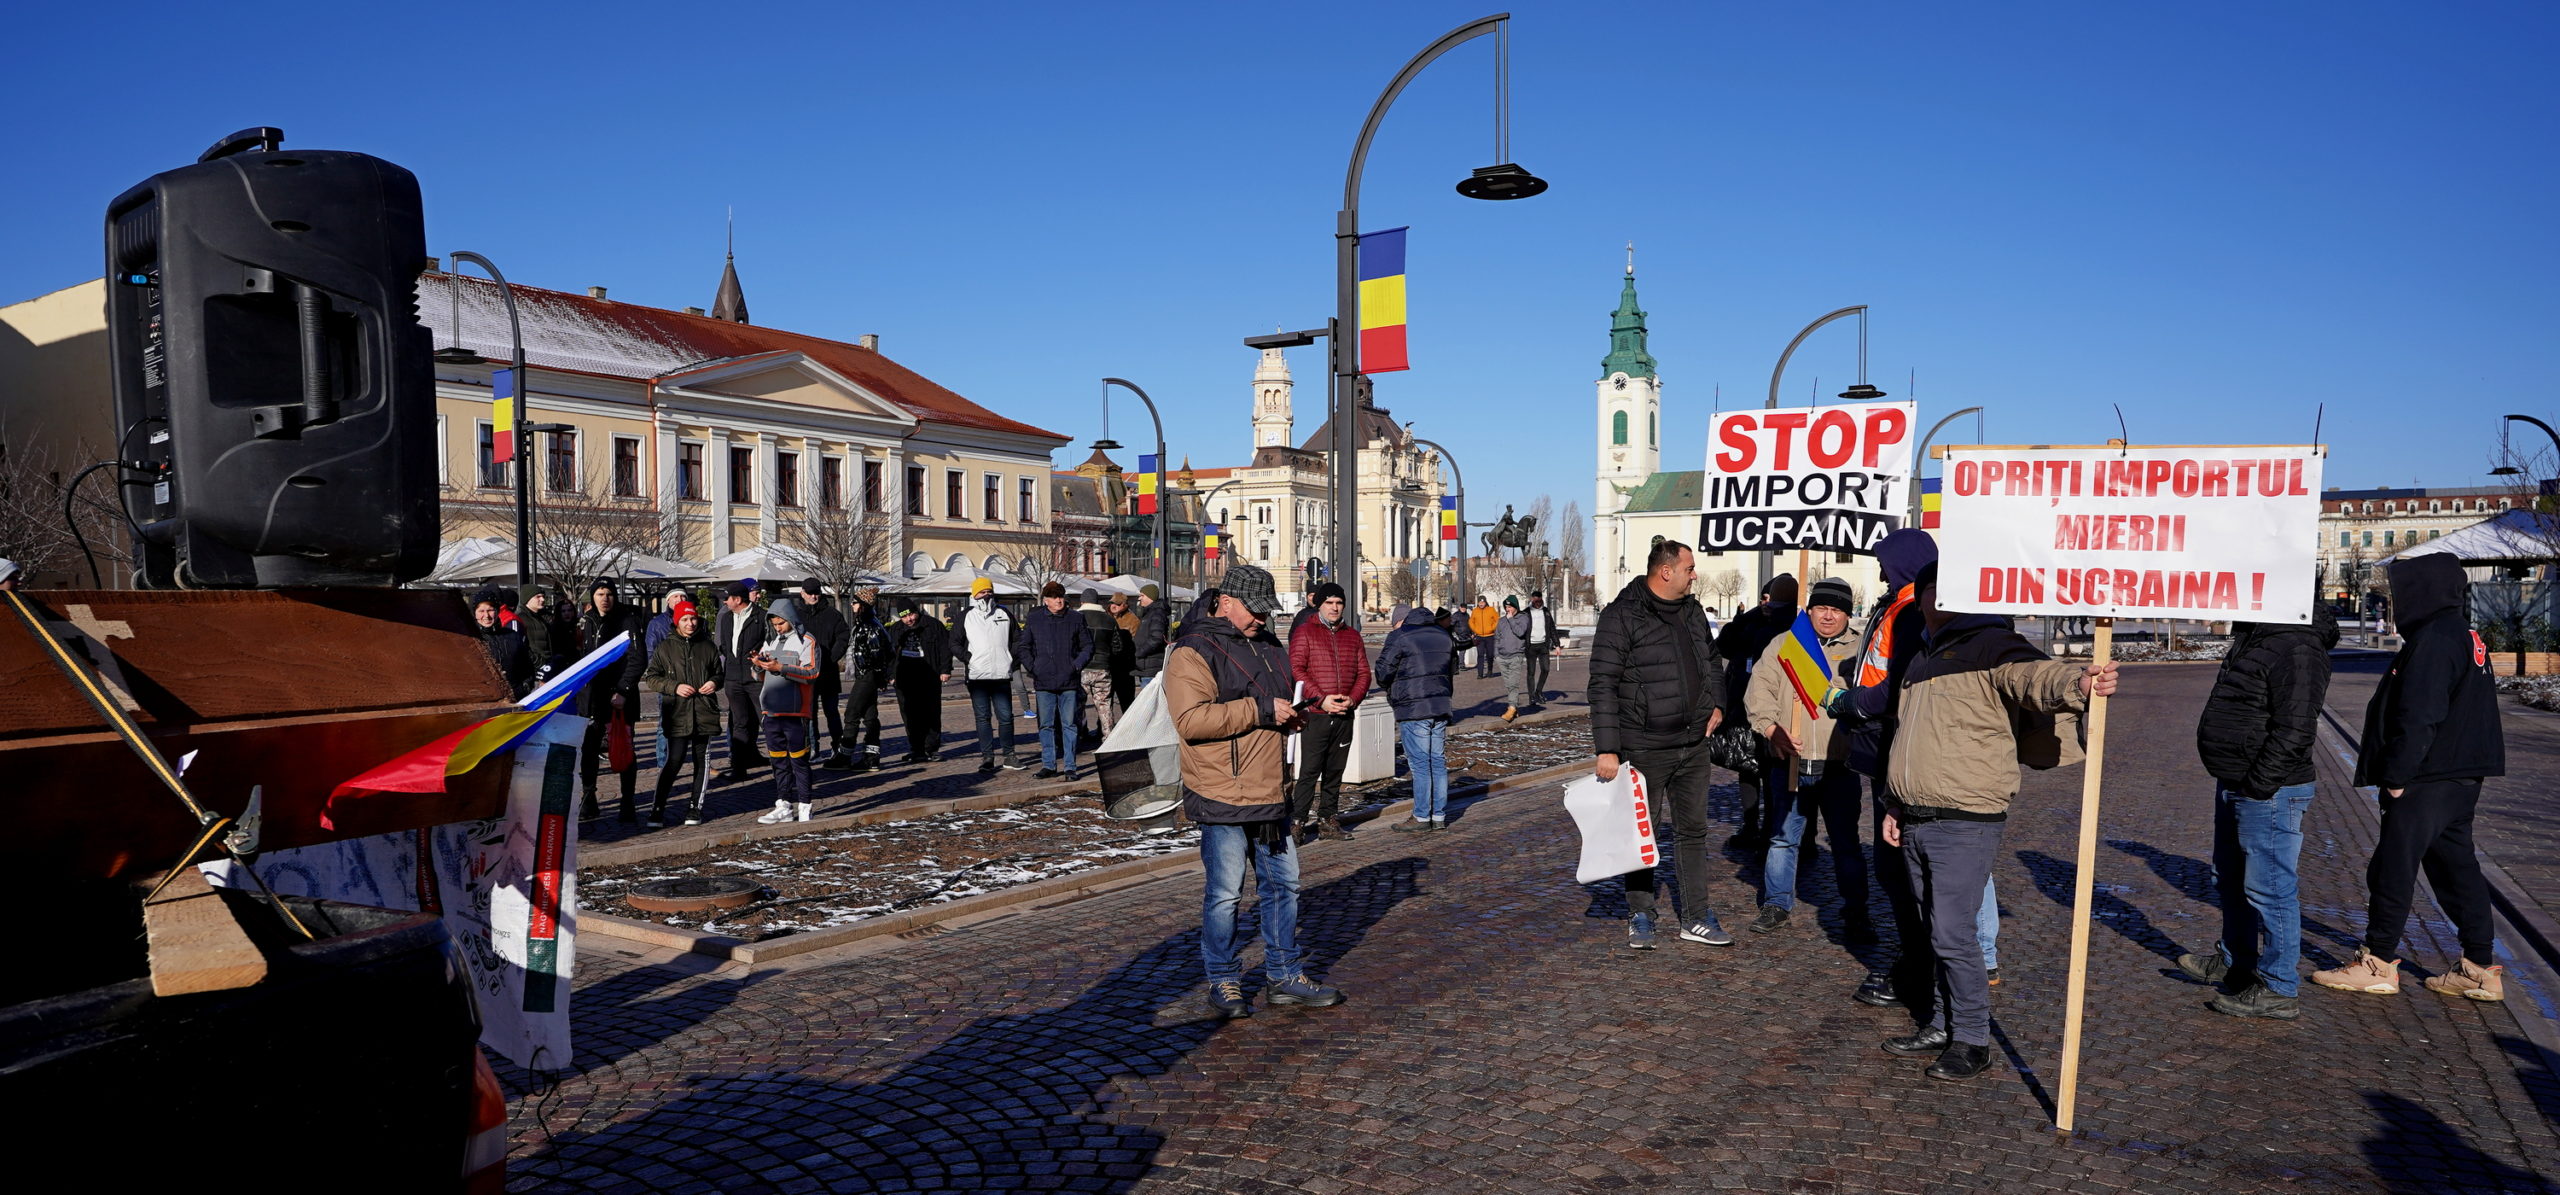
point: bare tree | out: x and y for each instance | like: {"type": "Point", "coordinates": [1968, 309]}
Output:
{"type": "Point", "coordinates": [1403, 587]}
{"type": "Point", "coordinates": [839, 547]}
{"type": "Point", "coordinates": [1726, 585]}
{"type": "Point", "coordinates": [577, 537]}
{"type": "Point", "coordinates": [33, 531]}
{"type": "Point", "coordinates": [1570, 543]}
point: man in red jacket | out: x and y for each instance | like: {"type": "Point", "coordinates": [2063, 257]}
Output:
{"type": "Point", "coordinates": [1331, 667]}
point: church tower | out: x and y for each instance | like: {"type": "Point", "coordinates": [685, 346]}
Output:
{"type": "Point", "coordinates": [1272, 420]}
{"type": "Point", "coordinates": [1629, 436]}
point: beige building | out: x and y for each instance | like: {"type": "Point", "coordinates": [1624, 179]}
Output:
{"type": "Point", "coordinates": [2358, 528]}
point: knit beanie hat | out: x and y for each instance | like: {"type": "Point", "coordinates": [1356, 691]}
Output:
{"type": "Point", "coordinates": [1832, 592]}
{"type": "Point", "coordinates": [1325, 593]}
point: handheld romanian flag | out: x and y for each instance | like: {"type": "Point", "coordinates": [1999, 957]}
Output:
{"type": "Point", "coordinates": [428, 768]}
{"type": "Point", "coordinates": [1209, 541]}
{"type": "Point", "coordinates": [1382, 301]}
{"type": "Point", "coordinates": [1147, 467]}
{"type": "Point", "coordinates": [1448, 516]}
{"type": "Point", "coordinates": [1807, 668]}
{"type": "Point", "coordinates": [1929, 502]}
{"type": "Point", "coordinates": [502, 416]}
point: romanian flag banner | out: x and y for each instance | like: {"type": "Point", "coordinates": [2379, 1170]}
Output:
{"type": "Point", "coordinates": [1382, 301]}
{"type": "Point", "coordinates": [1209, 539]}
{"type": "Point", "coordinates": [1449, 517]}
{"type": "Point", "coordinates": [502, 418]}
{"type": "Point", "coordinates": [1929, 502]}
{"type": "Point", "coordinates": [1147, 474]}
{"type": "Point", "coordinates": [1808, 669]}
{"type": "Point", "coordinates": [428, 768]}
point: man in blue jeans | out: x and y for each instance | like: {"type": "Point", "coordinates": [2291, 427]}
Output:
{"type": "Point", "coordinates": [2256, 739]}
{"type": "Point", "coordinates": [1227, 685]}
{"type": "Point", "coordinates": [1803, 741]}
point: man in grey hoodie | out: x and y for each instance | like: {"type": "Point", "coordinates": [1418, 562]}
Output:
{"type": "Point", "coordinates": [1511, 651]}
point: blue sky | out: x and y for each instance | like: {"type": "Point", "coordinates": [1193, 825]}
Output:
{"type": "Point", "coordinates": [2214, 215]}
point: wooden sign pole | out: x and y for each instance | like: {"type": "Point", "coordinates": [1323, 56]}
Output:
{"type": "Point", "coordinates": [2083, 884]}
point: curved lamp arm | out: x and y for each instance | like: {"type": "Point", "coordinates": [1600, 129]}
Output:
{"type": "Point", "coordinates": [1378, 112]}
{"type": "Point", "coordinates": [1809, 330]}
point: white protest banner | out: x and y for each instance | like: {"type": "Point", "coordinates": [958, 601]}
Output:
{"type": "Point", "coordinates": [2173, 532]}
{"type": "Point", "coordinates": [1830, 478]}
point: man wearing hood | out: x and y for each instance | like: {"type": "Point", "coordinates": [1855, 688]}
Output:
{"type": "Point", "coordinates": [1227, 685]}
{"type": "Point", "coordinates": [982, 644]}
{"type": "Point", "coordinates": [2431, 735]}
{"type": "Point", "coordinates": [788, 700]}
{"type": "Point", "coordinates": [1864, 700]}
{"type": "Point", "coordinates": [1414, 667]}
{"type": "Point", "coordinates": [2256, 740]}
{"type": "Point", "coordinates": [1657, 692]}
{"type": "Point", "coordinates": [1741, 643]}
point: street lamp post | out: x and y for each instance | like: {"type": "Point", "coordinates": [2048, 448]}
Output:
{"type": "Point", "coordinates": [1164, 559]}
{"type": "Point", "coordinates": [1768, 556]}
{"type": "Point", "coordinates": [2542, 489]}
{"type": "Point", "coordinates": [1920, 459]}
{"type": "Point", "coordinates": [1459, 478]}
{"type": "Point", "coordinates": [515, 343]}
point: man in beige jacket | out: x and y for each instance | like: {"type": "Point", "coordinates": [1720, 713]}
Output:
{"type": "Point", "coordinates": [1227, 685]}
{"type": "Point", "coordinates": [1824, 781]}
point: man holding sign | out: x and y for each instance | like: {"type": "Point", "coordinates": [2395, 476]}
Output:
{"type": "Point", "coordinates": [1953, 774]}
{"type": "Point", "coordinates": [1784, 702]}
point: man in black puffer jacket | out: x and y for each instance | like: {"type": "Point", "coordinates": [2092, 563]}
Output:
{"type": "Point", "coordinates": [2431, 734]}
{"type": "Point", "coordinates": [2256, 739]}
{"type": "Point", "coordinates": [1657, 692]}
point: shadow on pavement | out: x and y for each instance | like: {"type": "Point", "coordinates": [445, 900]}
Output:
{"type": "Point", "coordinates": [1007, 1102]}
{"type": "Point", "coordinates": [2053, 877]}
{"type": "Point", "coordinates": [2414, 1152]}
{"type": "Point", "coordinates": [2195, 878]}
{"type": "Point", "coordinates": [2534, 1071]}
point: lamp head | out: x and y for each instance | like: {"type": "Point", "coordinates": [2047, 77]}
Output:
{"type": "Point", "coordinates": [1862, 392]}
{"type": "Point", "coordinates": [1505, 181]}
{"type": "Point", "coordinates": [2506, 471]}
{"type": "Point", "coordinates": [1106, 444]}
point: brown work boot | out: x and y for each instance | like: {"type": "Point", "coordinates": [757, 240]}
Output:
{"type": "Point", "coordinates": [1509, 712]}
{"type": "Point", "coordinates": [2471, 981]}
{"type": "Point", "coordinates": [2366, 974]}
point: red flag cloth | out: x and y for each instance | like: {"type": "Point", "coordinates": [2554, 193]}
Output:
{"type": "Point", "coordinates": [617, 744]}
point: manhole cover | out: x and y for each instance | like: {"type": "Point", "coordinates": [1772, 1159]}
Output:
{"type": "Point", "coordinates": [694, 893]}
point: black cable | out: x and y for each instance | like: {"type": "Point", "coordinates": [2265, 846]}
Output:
{"type": "Point", "coordinates": [68, 492]}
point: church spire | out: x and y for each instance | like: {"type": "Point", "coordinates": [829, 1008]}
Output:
{"type": "Point", "coordinates": [1627, 353]}
{"type": "Point", "coordinates": [730, 303]}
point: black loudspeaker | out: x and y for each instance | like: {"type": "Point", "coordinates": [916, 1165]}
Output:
{"type": "Point", "coordinates": [262, 318]}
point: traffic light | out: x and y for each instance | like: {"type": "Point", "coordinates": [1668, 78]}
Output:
{"type": "Point", "coordinates": [268, 362]}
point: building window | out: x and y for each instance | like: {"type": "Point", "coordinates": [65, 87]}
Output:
{"type": "Point", "coordinates": [689, 472]}
{"type": "Point", "coordinates": [2386, 539]}
{"type": "Point", "coordinates": [441, 478]}
{"type": "Point", "coordinates": [560, 462]}
{"type": "Point", "coordinates": [871, 486]}
{"type": "Point", "coordinates": [915, 490]}
{"type": "Point", "coordinates": [742, 476]}
{"type": "Point", "coordinates": [952, 481]}
{"type": "Point", "coordinates": [1030, 502]}
{"type": "Point", "coordinates": [2433, 534]}
{"type": "Point", "coordinates": [2346, 538]}
{"type": "Point", "coordinates": [995, 498]}
{"type": "Point", "coordinates": [1618, 428]}
{"type": "Point", "coordinates": [2368, 539]}
{"type": "Point", "coordinates": [1652, 430]}
{"type": "Point", "coordinates": [493, 475]}
{"type": "Point", "coordinates": [831, 482]}
{"type": "Point", "coordinates": [626, 466]}
{"type": "Point", "coordinates": [786, 479]}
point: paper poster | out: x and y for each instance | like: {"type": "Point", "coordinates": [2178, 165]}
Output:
{"type": "Point", "coordinates": [2200, 532]}
{"type": "Point", "coordinates": [1832, 478]}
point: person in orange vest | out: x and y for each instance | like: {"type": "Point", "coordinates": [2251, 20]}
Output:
{"type": "Point", "coordinates": [1481, 622]}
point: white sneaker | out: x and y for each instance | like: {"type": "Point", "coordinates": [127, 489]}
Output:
{"type": "Point", "coordinates": [781, 813]}
{"type": "Point", "coordinates": [802, 811]}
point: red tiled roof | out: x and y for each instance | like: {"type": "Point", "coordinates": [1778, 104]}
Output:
{"type": "Point", "coordinates": [590, 335]}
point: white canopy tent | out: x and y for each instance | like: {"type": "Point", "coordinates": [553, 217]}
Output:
{"type": "Point", "coordinates": [779, 566]}
{"type": "Point", "coordinates": [2511, 537]}
{"type": "Point", "coordinates": [1129, 583]}
{"type": "Point", "coordinates": [500, 565]}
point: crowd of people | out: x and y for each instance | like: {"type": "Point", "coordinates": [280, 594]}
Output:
{"type": "Point", "coordinates": [1932, 713]}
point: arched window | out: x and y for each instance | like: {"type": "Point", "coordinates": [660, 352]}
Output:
{"type": "Point", "coordinates": [1027, 566]}
{"type": "Point", "coordinates": [918, 564]}
{"type": "Point", "coordinates": [1618, 428]}
{"type": "Point", "coordinates": [1652, 430]}
{"type": "Point", "coordinates": [957, 561]}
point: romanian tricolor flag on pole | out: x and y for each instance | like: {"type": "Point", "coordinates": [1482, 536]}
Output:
{"type": "Point", "coordinates": [1449, 517]}
{"type": "Point", "coordinates": [502, 418]}
{"type": "Point", "coordinates": [1808, 669]}
{"type": "Point", "coordinates": [426, 769]}
{"type": "Point", "coordinates": [1209, 541]}
{"type": "Point", "coordinates": [1929, 502]}
{"type": "Point", "coordinates": [1147, 467]}
{"type": "Point", "coordinates": [1382, 301]}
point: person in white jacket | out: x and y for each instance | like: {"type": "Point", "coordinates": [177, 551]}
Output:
{"type": "Point", "coordinates": [982, 651]}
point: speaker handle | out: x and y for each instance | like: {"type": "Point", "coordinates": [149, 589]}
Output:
{"type": "Point", "coordinates": [319, 394]}
{"type": "Point", "coordinates": [263, 138]}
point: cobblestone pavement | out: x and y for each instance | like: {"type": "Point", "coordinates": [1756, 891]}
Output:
{"type": "Point", "coordinates": [1499, 1037]}
{"type": "Point", "coordinates": [1479, 704]}
{"type": "Point", "coordinates": [2519, 823]}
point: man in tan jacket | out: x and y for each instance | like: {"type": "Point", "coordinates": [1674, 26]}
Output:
{"type": "Point", "coordinates": [1953, 773]}
{"type": "Point", "coordinates": [1227, 685]}
{"type": "Point", "coordinates": [1824, 781]}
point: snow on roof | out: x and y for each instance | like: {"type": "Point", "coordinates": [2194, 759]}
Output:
{"type": "Point", "coordinates": [2523, 535]}
{"type": "Point", "coordinates": [628, 340]}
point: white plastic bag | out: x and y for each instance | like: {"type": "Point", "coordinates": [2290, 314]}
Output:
{"type": "Point", "coordinates": [1616, 824]}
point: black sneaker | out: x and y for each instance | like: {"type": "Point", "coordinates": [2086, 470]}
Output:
{"type": "Point", "coordinates": [1960, 1061]}
{"type": "Point", "coordinates": [1011, 764]}
{"type": "Point", "coordinates": [1770, 919]}
{"type": "Point", "coordinates": [1927, 1041]}
{"type": "Point", "coordinates": [1227, 1000]}
{"type": "Point", "coordinates": [2204, 968]}
{"type": "Point", "coordinates": [2257, 1000]}
{"type": "Point", "coordinates": [838, 762]}
{"type": "Point", "coordinates": [986, 767]}
{"type": "Point", "coordinates": [588, 810]}
{"type": "Point", "coordinates": [866, 761]}
{"type": "Point", "coordinates": [1877, 992]}
{"type": "Point", "coordinates": [1044, 774]}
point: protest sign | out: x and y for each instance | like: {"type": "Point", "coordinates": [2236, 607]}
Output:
{"type": "Point", "coordinates": [2195, 532]}
{"type": "Point", "coordinates": [1829, 478]}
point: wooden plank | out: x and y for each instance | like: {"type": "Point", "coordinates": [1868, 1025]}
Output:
{"type": "Point", "coordinates": [2084, 877]}
{"type": "Point", "coordinates": [196, 945]}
